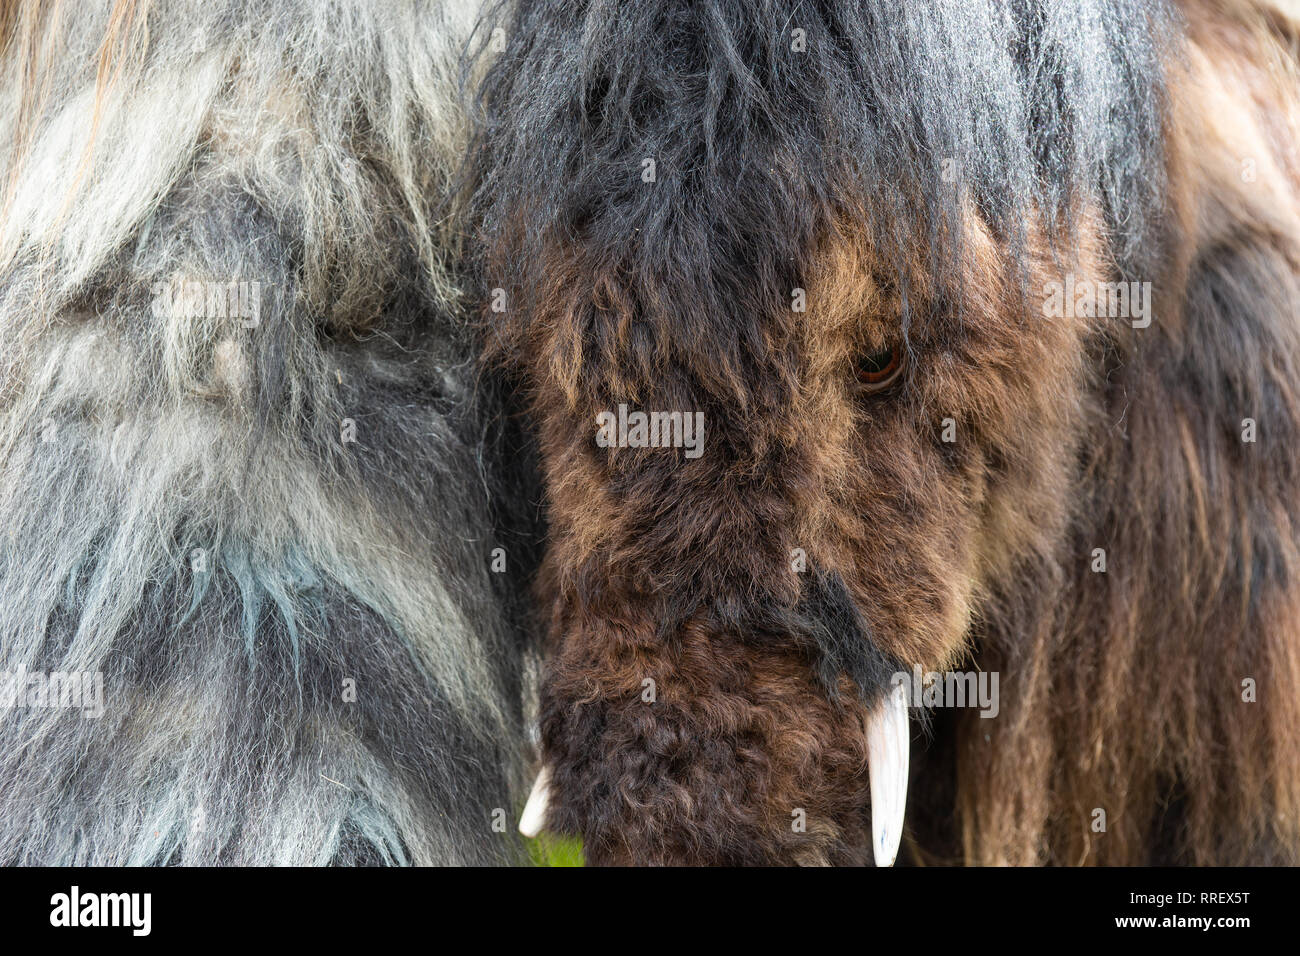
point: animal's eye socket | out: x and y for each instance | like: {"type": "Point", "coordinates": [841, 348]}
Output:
{"type": "Point", "coordinates": [879, 370]}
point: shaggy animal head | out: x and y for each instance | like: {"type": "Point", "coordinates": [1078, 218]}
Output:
{"type": "Point", "coordinates": [846, 244]}
{"type": "Point", "coordinates": [865, 477]}
{"type": "Point", "coordinates": [819, 237]}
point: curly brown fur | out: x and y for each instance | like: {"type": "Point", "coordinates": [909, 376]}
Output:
{"type": "Point", "coordinates": [1101, 140]}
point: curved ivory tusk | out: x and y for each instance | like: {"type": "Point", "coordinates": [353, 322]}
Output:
{"type": "Point", "coordinates": [888, 742]}
{"type": "Point", "coordinates": [534, 815]}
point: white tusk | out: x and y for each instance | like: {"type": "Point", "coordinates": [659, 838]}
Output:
{"type": "Point", "coordinates": [888, 742]}
{"type": "Point", "coordinates": [534, 815]}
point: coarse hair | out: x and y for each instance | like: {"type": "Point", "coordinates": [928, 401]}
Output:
{"type": "Point", "coordinates": [249, 469]}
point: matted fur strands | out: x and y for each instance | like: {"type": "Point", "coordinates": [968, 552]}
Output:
{"type": "Point", "coordinates": [251, 478]}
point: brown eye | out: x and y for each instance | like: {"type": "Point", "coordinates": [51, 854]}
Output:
{"type": "Point", "coordinates": [879, 370]}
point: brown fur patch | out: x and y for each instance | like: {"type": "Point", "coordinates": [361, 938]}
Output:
{"type": "Point", "coordinates": [1127, 695]}
{"type": "Point", "coordinates": [1121, 690]}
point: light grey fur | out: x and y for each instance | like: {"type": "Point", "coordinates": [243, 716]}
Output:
{"type": "Point", "coordinates": [184, 510]}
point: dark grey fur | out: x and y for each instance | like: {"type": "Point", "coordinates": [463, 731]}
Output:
{"type": "Point", "coordinates": [1034, 105]}
{"type": "Point", "coordinates": [182, 510]}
